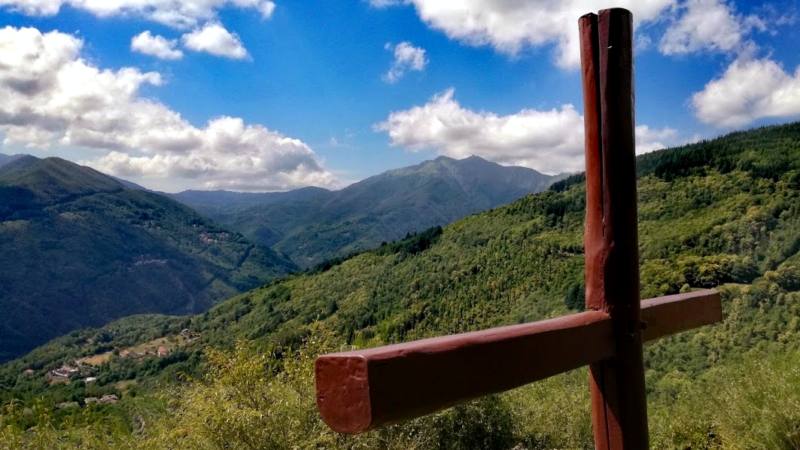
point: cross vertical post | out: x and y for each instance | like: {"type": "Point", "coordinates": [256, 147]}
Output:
{"type": "Point", "coordinates": [619, 407]}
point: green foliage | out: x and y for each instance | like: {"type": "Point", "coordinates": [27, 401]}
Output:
{"type": "Point", "coordinates": [729, 386]}
{"type": "Point", "coordinates": [81, 249]}
{"type": "Point", "coordinates": [413, 243]}
{"type": "Point", "coordinates": [751, 403]}
{"type": "Point", "coordinates": [575, 298]}
{"type": "Point", "coordinates": [553, 413]}
{"type": "Point", "coordinates": [252, 398]}
{"type": "Point", "coordinates": [38, 426]}
{"type": "Point", "coordinates": [235, 405]}
{"type": "Point", "coordinates": [568, 182]}
{"type": "Point", "coordinates": [768, 152]}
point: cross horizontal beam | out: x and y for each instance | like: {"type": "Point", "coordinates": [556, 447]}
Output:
{"type": "Point", "coordinates": [662, 316]}
{"type": "Point", "coordinates": [364, 389]}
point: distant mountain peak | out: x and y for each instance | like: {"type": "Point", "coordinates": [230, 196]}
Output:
{"type": "Point", "coordinates": [15, 162]}
{"type": "Point", "coordinates": [451, 159]}
{"type": "Point", "coordinates": [473, 162]}
{"type": "Point", "coordinates": [383, 207]}
{"type": "Point", "coordinates": [53, 179]}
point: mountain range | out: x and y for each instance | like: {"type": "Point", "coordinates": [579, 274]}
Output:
{"type": "Point", "coordinates": [721, 214]}
{"type": "Point", "coordinates": [80, 248]}
{"type": "Point", "coordinates": [311, 225]}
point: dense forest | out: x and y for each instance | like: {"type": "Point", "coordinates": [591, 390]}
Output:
{"type": "Point", "coordinates": [81, 248]}
{"type": "Point", "coordinates": [722, 214]}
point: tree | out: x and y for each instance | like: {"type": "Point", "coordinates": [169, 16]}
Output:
{"type": "Point", "coordinates": [575, 298]}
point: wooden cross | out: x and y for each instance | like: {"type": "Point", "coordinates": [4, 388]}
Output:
{"type": "Point", "coordinates": [364, 389]}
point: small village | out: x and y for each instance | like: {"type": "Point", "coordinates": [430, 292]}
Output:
{"type": "Point", "coordinates": [84, 370]}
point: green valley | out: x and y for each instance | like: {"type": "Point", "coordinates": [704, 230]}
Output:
{"type": "Point", "coordinates": [81, 248]}
{"type": "Point", "coordinates": [723, 213]}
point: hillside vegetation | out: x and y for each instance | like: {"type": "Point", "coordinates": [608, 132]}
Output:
{"type": "Point", "coordinates": [723, 213]}
{"type": "Point", "coordinates": [312, 225]}
{"type": "Point", "coordinates": [80, 248]}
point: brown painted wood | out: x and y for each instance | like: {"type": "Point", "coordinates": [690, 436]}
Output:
{"type": "Point", "coordinates": [363, 389]}
{"type": "Point", "coordinates": [594, 248]}
{"type": "Point", "coordinates": [672, 314]}
{"type": "Point", "coordinates": [619, 407]}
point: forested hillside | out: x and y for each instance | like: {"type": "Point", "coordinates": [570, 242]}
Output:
{"type": "Point", "coordinates": [80, 248]}
{"type": "Point", "coordinates": [723, 213]}
{"type": "Point", "coordinates": [312, 225]}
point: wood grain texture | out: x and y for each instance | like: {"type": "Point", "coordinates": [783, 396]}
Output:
{"type": "Point", "coordinates": [619, 406]}
{"type": "Point", "coordinates": [672, 314]}
{"type": "Point", "coordinates": [364, 389]}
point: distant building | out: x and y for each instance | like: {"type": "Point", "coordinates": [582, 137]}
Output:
{"type": "Point", "coordinates": [162, 351]}
{"type": "Point", "coordinates": [65, 371]}
{"type": "Point", "coordinates": [108, 399]}
{"type": "Point", "coordinates": [88, 380]}
{"type": "Point", "coordinates": [63, 374]}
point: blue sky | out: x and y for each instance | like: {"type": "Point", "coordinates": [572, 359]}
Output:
{"type": "Point", "coordinates": [262, 95]}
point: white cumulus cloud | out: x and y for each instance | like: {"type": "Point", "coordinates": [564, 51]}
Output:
{"type": "Point", "coordinates": [158, 46]}
{"type": "Point", "coordinates": [54, 98]}
{"type": "Point", "coordinates": [652, 139]}
{"type": "Point", "coordinates": [406, 58]}
{"type": "Point", "coordinates": [750, 89]}
{"type": "Point", "coordinates": [707, 25]}
{"type": "Point", "coordinates": [509, 26]}
{"type": "Point", "coordinates": [550, 141]}
{"type": "Point", "coordinates": [174, 13]}
{"type": "Point", "coordinates": [213, 38]}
